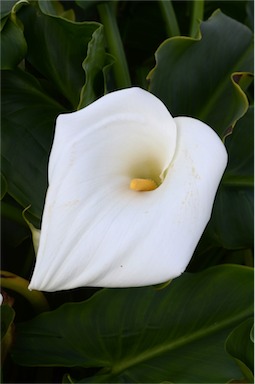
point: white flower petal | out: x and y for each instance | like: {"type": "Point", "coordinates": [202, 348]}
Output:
{"type": "Point", "coordinates": [96, 231]}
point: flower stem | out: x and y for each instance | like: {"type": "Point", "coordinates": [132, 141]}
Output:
{"type": "Point", "coordinates": [169, 17]}
{"type": "Point", "coordinates": [18, 284]}
{"type": "Point", "coordinates": [238, 181]}
{"type": "Point", "coordinates": [197, 15]}
{"type": "Point", "coordinates": [114, 42]}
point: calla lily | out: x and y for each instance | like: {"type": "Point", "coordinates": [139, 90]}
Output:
{"type": "Point", "coordinates": [131, 190]}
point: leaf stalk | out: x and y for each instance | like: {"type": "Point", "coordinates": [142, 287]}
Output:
{"type": "Point", "coordinates": [169, 17]}
{"type": "Point", "coordinates": [196, 16]}
{"type": "Point", "coordinates": [113, 38]}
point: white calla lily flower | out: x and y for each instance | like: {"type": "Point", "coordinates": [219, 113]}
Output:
{"type": "Point", "coordinates": [131, 190]}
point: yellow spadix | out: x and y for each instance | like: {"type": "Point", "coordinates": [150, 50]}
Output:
{"type": "Point", "coordinates": [143, 185]}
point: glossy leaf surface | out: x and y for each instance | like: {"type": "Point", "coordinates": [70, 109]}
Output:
{"type": "Point", "coordinates": [56, 60]}
{"type": "Point", "coordinates": [26, 139]}
{"type": "Point", "coordinates": [13, 45]}
{"type": "Point", "coordinates": [61, 63]}
{"type": "Point", "coordinates": [96, 66]}
{"type": "Point", "coordinates": [205, 88]}
{"type": "Point", "coordinates": [240, 345]}
{"type": "Point", "coordinates": [146, 335]}
{"type": "Point", "coordinates": [231, 225]}
{"type": "Point", "coordinates": [55, 86]}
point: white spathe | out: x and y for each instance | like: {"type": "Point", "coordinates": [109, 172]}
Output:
{"type": "Point", "coordinates": [96, 230]}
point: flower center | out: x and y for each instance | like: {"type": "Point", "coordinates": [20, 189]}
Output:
{"type": "Point", "coordinates": [142, 185]}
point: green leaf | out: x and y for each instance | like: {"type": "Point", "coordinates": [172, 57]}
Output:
{"type": "Point", "coordinates": [144, 334]}
{"type": "Point", "coordinates": [231, 225]}
{"type": "Point", "coordinates": [55, 8]}
{"type": "Point", "coordinates": [107, 13]}
{"type": "Point", "coordinates": [240, 169]}
{"type": "Point", "coordinates": [3, 186]}
{"type": "Point", "coordinates": [6, 7]}
{"type": "Point", "coordinates": [28, 118]}
{"type": "Point", "coordinates": [62, 49]}
{"type": "Point", "coordinates": [240, 346]}
{"type": "Point", "coordinates": [7, 329]}
{"type": "Point", "coordinates": [51, 8]}
{"type": "Point", "coordinates": [7, 317]}
{"type": "Point", "coordinates": [13, 45]}
{"type": "Point", "coordinates": [95, 65]}
{"type": "Point", "coordinates": [29, 112]}
{"type": "Point", "coordinates": [196, 77]}
{"type": "Point", "coordinates": [250, 14]}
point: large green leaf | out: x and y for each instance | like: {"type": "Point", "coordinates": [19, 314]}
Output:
{"type": "Point", "coordinates": [28, 117]}
{"type": "Point", "coordinates": [57, 48]}
{"type": "Point", "coordinates": [28, 112]}
{"type": "Point", "coordinates": [196, 77]}
{"type": "Point", "coordinates": [146, 335]}
{"type": "Point", "coordinates": [13, 43]}
{"type": "Point", "coordinates": [240, 345]}
{"type": "Point", "coordinates": [232, 224]}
